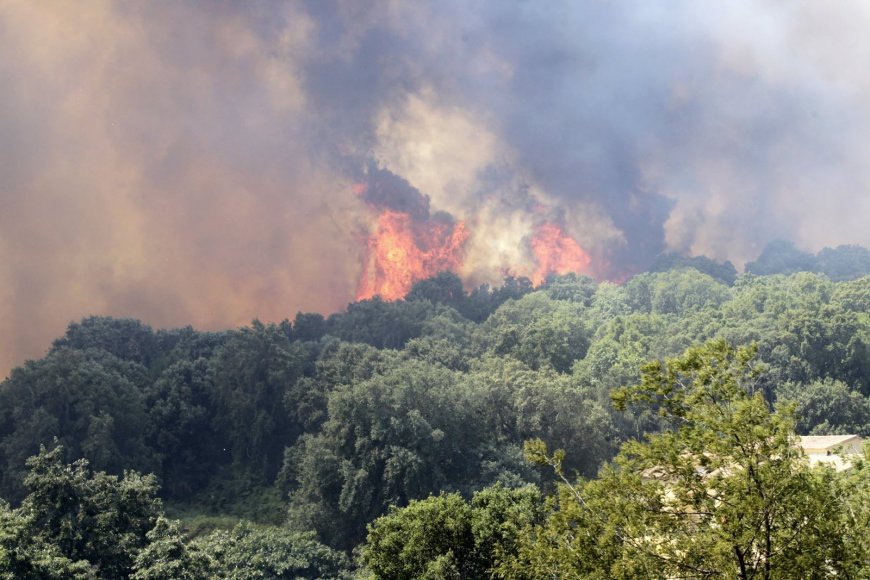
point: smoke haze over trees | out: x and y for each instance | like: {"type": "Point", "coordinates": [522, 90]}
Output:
{"type": "Point", "coordinates": [180, 165]}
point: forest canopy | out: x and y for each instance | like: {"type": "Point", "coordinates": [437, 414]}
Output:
{"type": "Point", "coordinates": [323, 439]}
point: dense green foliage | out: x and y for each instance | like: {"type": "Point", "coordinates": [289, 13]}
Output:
{"type": "Point", "coordinates": [75, 523]}
{"type": "Point", "coordinates": [445, 536]}
{"type": "Point", "coordinates": [325, 424]}
{"type": "Point", "coordinates": [724, 492]}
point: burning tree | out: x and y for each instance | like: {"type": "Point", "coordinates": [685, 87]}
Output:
{"type": "Point", "coordinates": [403, 251]}
{"type": "Point", "coordinates": [408, 243]}
{"type": "Point", "coordinates": [556, 253]}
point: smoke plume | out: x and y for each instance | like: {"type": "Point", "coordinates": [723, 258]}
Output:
{"type": "Point", "coordinates": [191, 164]}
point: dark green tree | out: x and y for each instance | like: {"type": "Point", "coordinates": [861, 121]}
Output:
{"type": "Point", "coordinates": [168, 556]}
{"type": "Point", "coordinates": [443, 288]}
{"type": "Point", "coordinates": [446, 537]}
{"type": "Point", "coordinates": [484, 300]}
{"type": "Point", "coordinates": [538, 331]}
{"type": "Point", "coordinates": [782, 257]}
{"type": "Point", "coordinates": [89, 516]}
{"type": "Point", "coordinates": [826, 407]}
{"type": "Point", "coordinates": [125, 338]}
{"type": "Point", "coordinates": [725, 272]}
{"type": "Point", "coordinates": [395, 437]}
{"type": "Point", "coordinates": [90, 400]}
{"type": "Point", "coordinates": [844, 262]}
{"type": "Point", "coordinates": [447, 340]}
{"type": "Point", "coordinates": [309, 326]}
{"type": "Point", "coordinates": [252, 372]}
{"type": "Point", "coordinates": [380, 323]}
{"type": "Point", "coordinates": [512, 403]}
{"type": "Point", "coordinates": [338, 363]}
{"type": "Point", "coordinates": [181, 408]}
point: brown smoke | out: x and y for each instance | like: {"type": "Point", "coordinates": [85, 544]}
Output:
{"type": "Point", "coordinates": [193, 164]}
{"type": "Point", "coordinates": [151, 170]}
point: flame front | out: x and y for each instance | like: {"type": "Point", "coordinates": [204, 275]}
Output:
{"type": "Point", "coordinates": [556, 253]}
{"type": "Point", "coordinates": [409, 243]}
{"type": "Point", "coordinates": [403, 251]}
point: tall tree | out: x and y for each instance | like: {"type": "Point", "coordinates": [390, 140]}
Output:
{"type": "Point", "coordinates": [82, 516]}
{"type": "Point", "coordinates": [725, 492]}
{"type": "Point", "coordinates": [89, 399]}
{"type": "Point", "coordinates": [446, 537]}
{"type": "Point", "coordinates": [389, 439]}
{"type": "Point", "coordinates": [251, 373]}
{"type": "Point", "coordinates": [169, 557]}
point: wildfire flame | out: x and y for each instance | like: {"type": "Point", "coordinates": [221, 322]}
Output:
{"type": "Point", "coordinates": [403, 251]}
{"type": "Point", "coordinates": [556, 253]}
{"type": "Point", "coordinates": [409, 244]}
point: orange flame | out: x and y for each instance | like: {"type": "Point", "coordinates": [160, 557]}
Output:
{"type": "Point", "coordinates": [556, 253]}
{"type": "Point", "coordinates": [403, 251]}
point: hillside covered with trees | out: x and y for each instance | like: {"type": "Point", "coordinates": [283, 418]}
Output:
{"type": "Point", "coordinates": [499, 432]}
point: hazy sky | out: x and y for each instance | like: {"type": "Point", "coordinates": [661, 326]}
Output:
{"type": "Point", "coordinates": [192, 162]}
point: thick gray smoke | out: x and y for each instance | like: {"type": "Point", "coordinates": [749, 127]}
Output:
{"type": "Point", "coordinates": [189, 163]}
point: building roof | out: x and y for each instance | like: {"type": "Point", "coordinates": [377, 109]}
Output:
{"type": "Point", "coordinates": [819, 449]}
{"type": "Point", "coordinates": [812, 443]}
{"type": "Point", "coordinates": [837, 462]}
